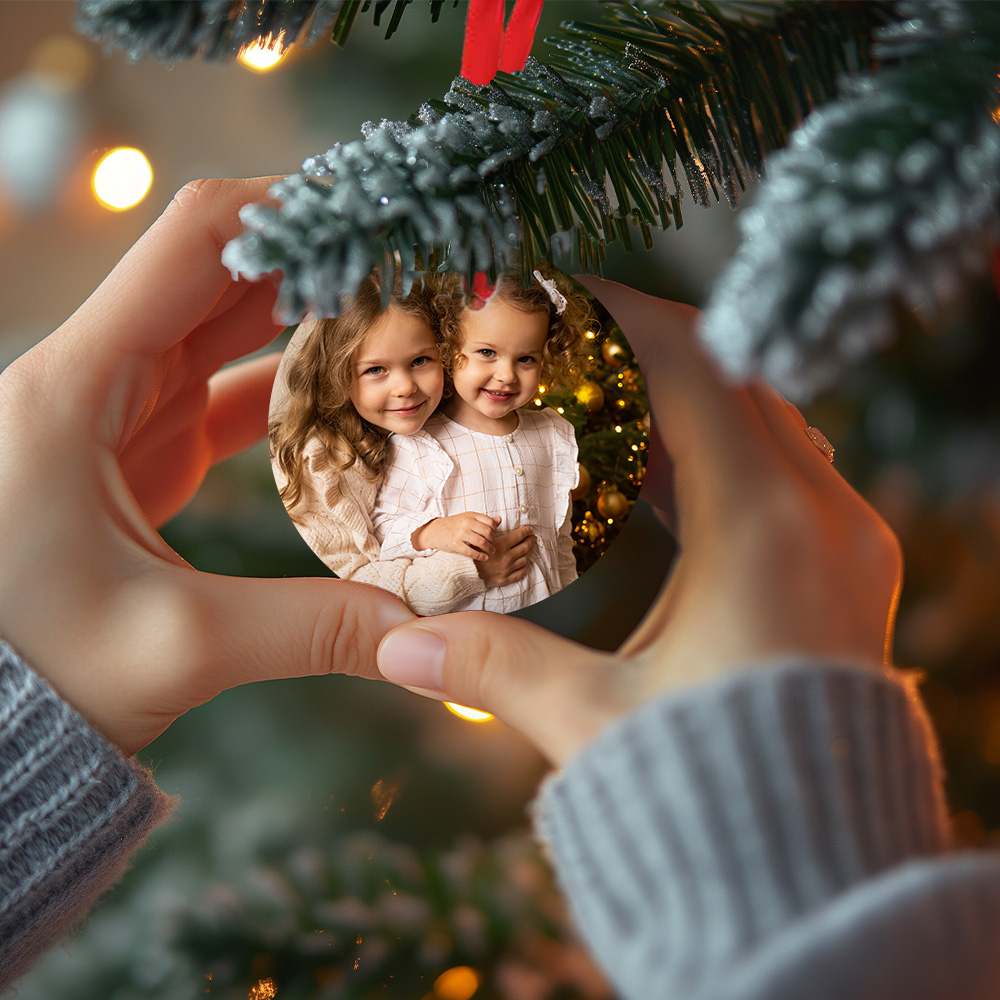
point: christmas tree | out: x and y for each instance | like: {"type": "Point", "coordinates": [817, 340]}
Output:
{"type": "Point", "coordinates": [866, 227]}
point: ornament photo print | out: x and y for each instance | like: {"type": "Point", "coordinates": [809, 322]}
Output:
{"type": "Point", "coordinates": [463, 449]}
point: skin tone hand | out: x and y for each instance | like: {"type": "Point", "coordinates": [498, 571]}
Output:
{"type": "Point", "coordinates": [466, 534]}
{"type": "Point", "coordinates": [509, 562]}
{"type": "Point", "coordinates": [779, 557]}
{"type": "Point", "coordinates": [106, 430]}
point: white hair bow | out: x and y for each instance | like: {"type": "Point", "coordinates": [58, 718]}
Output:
{"type": "Point", "coordinates": [557, 297]}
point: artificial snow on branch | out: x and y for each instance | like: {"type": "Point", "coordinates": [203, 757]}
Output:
{"type": "Point", "coordinates": [882, 199]}
{"type": "Point", "coordinates": [581, 146]}
{"type": "Point", "coordinates": [218, 30]}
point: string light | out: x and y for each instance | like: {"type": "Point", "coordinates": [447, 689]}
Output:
{"type": "Point", "coordinates": [122, 178]}
{"type": "Point", "coordinates": [263, 56]}
{"type": "Point", "coordinates": [469, 714]}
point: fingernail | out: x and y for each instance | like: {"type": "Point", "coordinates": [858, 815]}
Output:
{"type": "Point", "coordinates": [413, 657]}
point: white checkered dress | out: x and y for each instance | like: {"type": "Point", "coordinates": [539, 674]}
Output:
{"type": "Point", "coordinates": [524, 478]}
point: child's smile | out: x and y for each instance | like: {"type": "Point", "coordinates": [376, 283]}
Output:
{"type": "Point", "coordinates": [397, 375]}
{"type": "Point", "coordinates": [499, 366]}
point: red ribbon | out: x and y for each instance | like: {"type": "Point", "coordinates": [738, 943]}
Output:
{"type": "Point", "coordinates": [488, 47]}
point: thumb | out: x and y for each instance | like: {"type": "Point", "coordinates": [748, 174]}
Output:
{"type": "Point", "coordinates": [261, 629]}
{"type": "Point", "coordinates": [555, 692]}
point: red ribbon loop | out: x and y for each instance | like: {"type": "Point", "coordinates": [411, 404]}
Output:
{"type": "Point", "coordinates": [488, 47]}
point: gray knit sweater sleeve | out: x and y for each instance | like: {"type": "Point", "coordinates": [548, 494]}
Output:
{"type": "Point", "coordinates": [72, 812]}
{"type": "Point", "coordinates": [779, 834]}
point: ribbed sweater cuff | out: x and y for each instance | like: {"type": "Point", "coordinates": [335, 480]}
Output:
{"type": "Point", "coordinates": [72, 812]}
{"type": "Point", "coordinates": [720, 813]}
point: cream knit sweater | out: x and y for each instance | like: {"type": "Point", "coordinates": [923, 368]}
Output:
{"type": "Point", "coordinates": [334, 517]}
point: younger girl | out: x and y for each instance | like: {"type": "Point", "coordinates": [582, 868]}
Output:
{"type": "Point", "coordinates": [344, 386]}
{"type": "Point", "coordinates": [482, 463]}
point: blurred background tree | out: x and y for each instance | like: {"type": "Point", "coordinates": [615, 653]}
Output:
{"type": "Point", "coordinates": [332, 805]}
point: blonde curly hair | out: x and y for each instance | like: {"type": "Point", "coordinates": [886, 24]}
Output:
{"type": "Point", "coordinates": [564, 354]}
{"type": "Point", "coordinates": [318, 381]}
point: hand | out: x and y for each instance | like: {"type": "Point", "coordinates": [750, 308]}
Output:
{"type": "Point", "coordinates": [467, 534]}
{"type": "Point", "coordinates": [106, 430]}
{"type": "Point", "coordinates": [509, 562]}
{"type": "Point", "coordinates": [778, 556]}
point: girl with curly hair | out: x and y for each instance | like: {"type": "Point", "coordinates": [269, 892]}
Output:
{"type": "Point", "coordinates": [345, 387]}
{"type": "Point", "coordinates": [483, 463]}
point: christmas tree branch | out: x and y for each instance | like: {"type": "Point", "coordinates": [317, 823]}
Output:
{"type": "Point", "coordinates": [883, 198]}
{"type": "Point", "coordinates": [218, 30]}
{"type": "Point", "coordinates": [578, 146]}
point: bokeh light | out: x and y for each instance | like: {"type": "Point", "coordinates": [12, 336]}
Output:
{"type": "Point", "coordinates": [122, 178]}
{"type": "Point", "coordinates": [464, 712]}
{"type": "Point", "coordinates": [63, 61]}
{"type": "Point", "coordinates": [458, 983]}
{"type": "Point", "coordinates": [263, 56]}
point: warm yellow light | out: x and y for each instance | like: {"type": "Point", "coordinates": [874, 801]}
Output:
{"type": "Point", "coordinates": [458, 983]}
{"type": "Point", "coordinates": [263, 56]}
{"type": "Point", "coordinates": [590, 335]}
{"type": "Point", "coordinates": [618, 428]}
{"type": "Point", "coordinates": [63, 62]}
{"type": "Point", "coordinates": [471, 714]}
{"type": "Point", "coordinates": [122, 179]}
{"type": "Point", "coordinates": [263, 989]}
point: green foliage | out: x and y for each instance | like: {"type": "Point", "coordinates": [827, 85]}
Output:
{"type": "Point", "coordinates": [886, 197]}
{"type": "Point", "coordinates": [580, 146]}
{"type": "Point", "coordinates": [218, 30]}
{"type": "Point", "coordinates": [366, 918]}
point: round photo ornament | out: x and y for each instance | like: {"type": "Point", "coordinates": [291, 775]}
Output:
{"type": "Point", "coordinates": [464, 449]}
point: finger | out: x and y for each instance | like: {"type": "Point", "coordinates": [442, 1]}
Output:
{"type": "Point", "coordinates": [466, 549]}
{"type": "Point", "coordinates": [554, 691]}
{"type": "Point", "coordinates": [133, 308]}
{"type": "Point", "coordinates": [482, 542]}
{"type": "Point", "coordinates": [257, 629]}
{"type": "Point", "coordinates": [245, 326]}
{"type": "Point", "coordinates": [238, 403]}
{"type": "Point", "coordinates": [521, 550]}
{"type": "Point", "coordinates": [790, 432]}
{"type": "Point", "coordinates": [710, 429]}
{"type": "Point", "coordinates": [487, 523]}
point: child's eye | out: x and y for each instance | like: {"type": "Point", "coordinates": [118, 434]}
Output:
{"type": "Point", "coordinates": [486, 352]}
{"type": "Point", "coordinates": [527, 359]}
{"type": "Point", "coordinates": [374, 370]}
{"type": "Point", "coordinates": [424, 359]}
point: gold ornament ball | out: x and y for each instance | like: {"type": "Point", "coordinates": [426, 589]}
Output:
{"type": "Point", "coordinates": [591, 395]}
{"type": "Point", "coordinates": [612, 503]}
{"type": "Point", "coordinates": [582, 488]}
{"type": "Point", "coordinates": [589, 531]}
{"type": "Point", "coordinates": [614, 354]}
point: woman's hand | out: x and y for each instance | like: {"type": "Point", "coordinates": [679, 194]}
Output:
{"type": "Point", "coordinates": [466, 534]}
{"type": "Point", "coordinates": [779, 556]}
{"type": "Point", "coordinates": [106, 430]}
{"type": "Point", "coordinates": [509, 561]}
